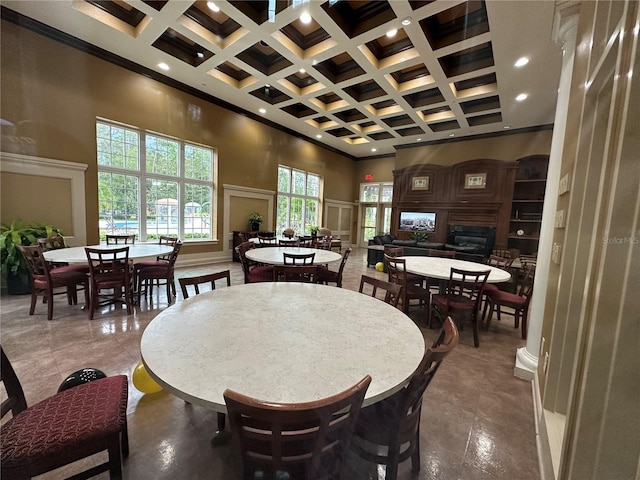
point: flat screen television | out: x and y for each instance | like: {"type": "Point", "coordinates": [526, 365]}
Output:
{"type": "Point", "coordinates": [418, 221]}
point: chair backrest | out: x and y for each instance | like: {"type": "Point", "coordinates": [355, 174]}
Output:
{"type": "Point", "coordinates": [242, 237]}
{"type": "Point", "coordinates": [15, 401]}
{"type": "Point", "coordinates": [52, 243]}
{"type": "Point", "coordinates": [295, 273]}
{"type": "Point", "coordinates": [324, 243]}
{"type": "Point", "coordinates": [526, 285]}
{"type": "Point", "coordinates": [169, 241]}
{"type": "Point", "coordinates": [305, 240]}
{"type": "Point", "coordinates": [431, 252]}
{"type": "Point", "coordinates": [467, 283]}
{"type": "Point", "coordinates": [244, 261]}
{"type": "Point", "coordinates": [37, 265]}
{"type": "Point", "coordinates": [392, 290]}
{"type": "Point", "coordinates": [394, 251]}
{"type": "Point", "coordinates": [410, 398]}
{"type": "Point", "coordinates": [288, 232]}
{"type": "Point", "coordinates": [500, 262]}
{"type": "Point", "coordinates": [324, 232]}
{"type": "Point", "coordinates": [298, 258]}
{"type": "Point", "coordinates": [396, 270]}
{"type": "Point", "coordinates": [173, 256]}
{"type": "Point", "coordinates": [121, 239]}
{"type": "Point", "coordinates": [262, 240]}
{"type": "Point", "coordinates": [501, 252]}
{"type": "Point", "coordinates": [109, 265]}
{"type": "Point", "coordinates": [343, 262]}
{"type": "Point", "coordinates": [289, 242]}
{"type": "Point", "coordinates": [200, 279]}
{"type": "Point", "coordinates": [307, 440]}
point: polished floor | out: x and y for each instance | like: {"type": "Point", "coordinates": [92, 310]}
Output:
{"type": "Point", "coordinates": [477, 420]}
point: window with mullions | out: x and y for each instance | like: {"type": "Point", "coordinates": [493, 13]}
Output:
{"type": "Point", "coordinates": [170, 180]}
{"type": "Point", "coordinates": [298, 200]}
{"type": "Point", "coordinates": [375, 205]}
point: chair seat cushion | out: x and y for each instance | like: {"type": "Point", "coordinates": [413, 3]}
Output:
{"type": "Point", "coordinates": [326, 275]}
{"type": "Point", "coordinates": [490, 287]}
{"type": "Point", "coordinates": [456, 302]}
{"type": "Point", "coordinates": [61, 423]}
{"type": "Point", "coordinates": [507, 298]}
{"type": "Point", "coordinates": [70, 268]}
{"type": "Point", "coordinates": [262, 273]}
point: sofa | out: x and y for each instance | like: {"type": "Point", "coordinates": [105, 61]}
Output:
{"type": "Point", "coordinates": [465, 251]}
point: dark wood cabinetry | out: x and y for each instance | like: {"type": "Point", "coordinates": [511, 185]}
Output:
{"type": "Point", "coordinates": [526, 207]}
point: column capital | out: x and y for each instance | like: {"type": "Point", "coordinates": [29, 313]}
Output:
{"type": "Point", "coordinates": [565, 22]}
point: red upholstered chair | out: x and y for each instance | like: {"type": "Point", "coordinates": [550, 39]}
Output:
{"type": "Point", "coordinates": [64, 428]}
{"type": "Point", "coordinates": [519, 303]}
{"type": "Point", "coordinates": [45, 280]}
{"type": "Point", "coordinates": [462, 299]}
{"type": "Point", "coordinates": [145, 273]}
{"type": "Point", "coordinates": [325, 275]}
{"type": "Point", "coordinates": [394, 423]}
{"type": "Point", "coordinates": [498, 262]}
{"type": "Point", "coordinates": [109, 271]}
{"type": "Point", "coordinates": [294, 440]}
{"type": "Point", "coordinates": [57, 242]}
{"type": "Point", "coordinates": [412, 278]}
{"type": "Point", "coordinates": [253, 273]}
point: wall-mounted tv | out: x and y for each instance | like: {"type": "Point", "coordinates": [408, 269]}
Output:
{"type": "Point", "coordinates": [418, 221]}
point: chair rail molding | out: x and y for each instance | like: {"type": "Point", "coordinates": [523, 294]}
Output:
{"type": "Point", "coordinates": [49, 167]}
{"type": "Point", "coordinates": [231, 191]}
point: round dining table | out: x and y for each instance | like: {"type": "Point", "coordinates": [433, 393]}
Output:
{"type": "Point", "coordinates": [78, 254]}
{"type": "Point", "coordinates": [280, 341]}
{"type": "Point", "coordinates": [440, 268]}
{"type": "Point", "coordinates": [273, 255]}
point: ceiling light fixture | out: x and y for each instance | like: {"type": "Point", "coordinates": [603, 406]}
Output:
{"type": "Point", "coordinates": [200, 55]}
{"type": "Point", "coordinates": [305, 17]}
{"type": "Point", "coordinates": [392, 33]}
{"type": "Point", "coordinates": [374, 149]}
{"type": "Point", "coordinates": [418, 139]}
{"type": "Point", "coordinates": [213, 6]}
{"type": "Point", "coordinates": [452, 134]}
{"type": "Point", "coordinates": [522, 97]}
{"type": "Point", "coordinates": [263, 111]}
{"type": "Point", "coordinates": [318, 136]}
{"type": "Point", "coordinates": [302, 70]}
{"type": "Point", "coordinates": [507, 127]}
{"type": "Point", "coordinates": [406, 21]}
{"type": "Point", "coordinates": [521, 62]}
{"type": "Point", "coordinates": [163, 66]}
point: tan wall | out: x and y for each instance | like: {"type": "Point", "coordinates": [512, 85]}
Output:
{"type": "Point", "coordinates": [56, 92]}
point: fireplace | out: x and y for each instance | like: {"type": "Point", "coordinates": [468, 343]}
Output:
{"type": "Point", "coordinates": [471, 239]}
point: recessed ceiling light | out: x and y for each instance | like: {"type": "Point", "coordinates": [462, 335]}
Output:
{"type": "Point", "coordinates": [213, 7]}
{"type": "Point", "coordinates": [522, 97]}
{"type": "Point", "coordinates": [392, 33]}
{"type": "Point", "coordinates": [418, 139]}
{"type": "Point", "coordinates": [374, 149]}
{"type": "Point", "coordinates": [267, 86]}
{"type": "Point", "coordinates": [521, 62]}
{"type": "Point", "coordinates": [506, 127]}
{"type": "Point", "coordinates": [305, 17]}
{"type": "Point", "coordinates": [263, 111]}
{"type": "Point", "coordinates": [200, 55]}
{"type": "Point", "coordinates": [406, 21]}
{"type": "Point", "coordinates": [452, 134]}
{"type": "Point", "coordinates": [302, 70]}
{"type": "Point", "coordinates": [163, 66]}
{"type": "Point", "coordinates": [318, 136]}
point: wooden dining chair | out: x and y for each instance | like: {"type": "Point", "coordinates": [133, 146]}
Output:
{"type": "Point", "coordinates": [498, 262]}
{"type": "Point", "coordinates": [202, 279]}
{"type": "Point", "coordinates": [71, 425]}
{"type": "Point", "coordinates": [388, 432]}
{"type": "Point", "coordinates": [461, 301]}
{"type": "Point", "coordinates": [288, 233]}
{"type": "Point", "coordinates": [253, 272]}
{"type": "Point", "coordinates": [159, 272]}
{"type": "Point", "coordinates": [293, 440]}
{"type": "Point", "coordinates": [412, 278]}
{"type": "Point", "coordinates": [325, 275]}
{"type": "Point", "coordinates": [397, 270]}
{"type": "Point", "coordinates": [517, 303]}
{"type": "Point", "coordinates": [46, 280]}
{"type": "Point", "coordinates": [109, 277]}
{"type": "Point", "coordinates": [295, 273]}
{"type": "Point", "coordinates": [324, 243]}
{"type": "Point", "coordinates": [168, 241]}
{"type": "Point", "coordinates": [58, 242]}
{"type": "Point", "coordinates": [289, 242]}
{"type": "Point", "coordinates": [298, 258]}
{"type": "Point", "coordinates": [392, 291]}
{"type": "Point", "coordinates": [264, 241]}
{"type": "Point", "coordinates": [121, 239]}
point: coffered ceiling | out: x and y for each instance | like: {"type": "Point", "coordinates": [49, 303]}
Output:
{"type": "Point", "coordinates": [339, 80]}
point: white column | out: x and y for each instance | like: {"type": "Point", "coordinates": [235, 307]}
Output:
{"type": "Point", "coordinates": [527, 357]}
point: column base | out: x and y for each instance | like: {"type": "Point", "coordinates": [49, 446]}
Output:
{"type": "Point", "coordinates": [526, 364]}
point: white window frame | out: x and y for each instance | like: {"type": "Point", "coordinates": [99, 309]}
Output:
{"type": "Point", "coordinates": [304, 198]}
{"type": "Point", "coordinates": [143, 175]}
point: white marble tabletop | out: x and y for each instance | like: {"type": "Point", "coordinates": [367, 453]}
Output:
{"type": "Point", "coordinates": [438, 267]}
{"type": "Point", "coordinates": [273, 255]}
{"type": "Point", "coordinates": [78, 254]}
{"type": "Point", "coordinates": [280, 341]}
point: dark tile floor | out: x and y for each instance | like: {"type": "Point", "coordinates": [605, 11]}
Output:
{"type": "Point", "coordinates": [477, 420]}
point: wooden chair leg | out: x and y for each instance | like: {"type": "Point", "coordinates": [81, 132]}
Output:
{"type": "Point", "coordinates": [50, 305]}
{"type": "Point", "coordinates": [115, 458]}
{"type": "Point", "coordinates": [34, 300]}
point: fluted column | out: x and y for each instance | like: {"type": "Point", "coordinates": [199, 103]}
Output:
{"type": "Point", "coordinates": [527, 356]}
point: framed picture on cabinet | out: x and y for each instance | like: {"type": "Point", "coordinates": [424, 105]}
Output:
{"type": "Point", "coordinates": [420, 183]}
{"type": "Point", "coordinates": [475, 180]}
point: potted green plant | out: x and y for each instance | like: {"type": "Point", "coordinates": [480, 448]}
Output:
{"type": "Point", "coordinates": [314, 230]}
{"type": "Point", "coordinates": [255, 219]}
{"type": "Point", "coordinates": [13, 265]}
{"type": "Point", "coordinates": [419, 236]}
